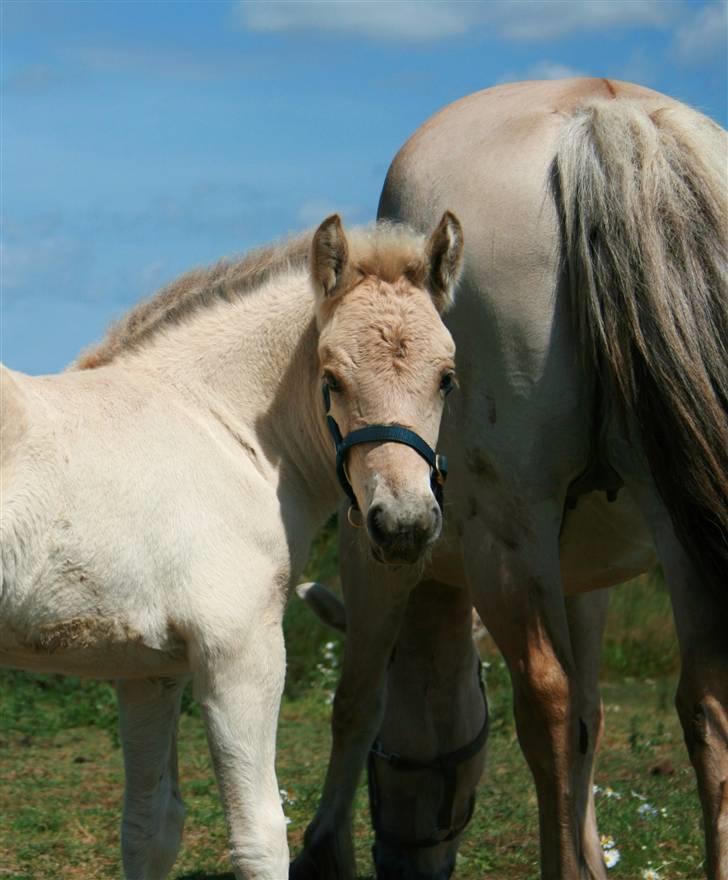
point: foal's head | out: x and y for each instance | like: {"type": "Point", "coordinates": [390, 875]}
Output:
{"type": "Point", "coordinates": [387, 359]}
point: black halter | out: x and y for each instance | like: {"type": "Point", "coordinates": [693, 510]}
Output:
{"type": "Point", "coordinates": [382, 434]}
{"type": "Point", "coordinates": [447, 765]}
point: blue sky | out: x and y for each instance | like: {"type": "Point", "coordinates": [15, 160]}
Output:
{"type": "Point", "coordinates": [140, 139]}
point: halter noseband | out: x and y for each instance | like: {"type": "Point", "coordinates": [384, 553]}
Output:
{"type": "Point", "coordinates": [447, 765]}
{"type": "Point", "coordinates": [382, 434]}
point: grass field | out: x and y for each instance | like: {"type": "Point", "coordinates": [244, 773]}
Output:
{"type": "Point", "coordinates": [61, 777]}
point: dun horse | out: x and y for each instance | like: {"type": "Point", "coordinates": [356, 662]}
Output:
{"type": "Point", "coordinates": [158, 499]}
{"type": "Point", "coordinates": [589, 433]}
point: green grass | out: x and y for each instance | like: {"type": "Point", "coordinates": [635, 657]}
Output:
{"type": "Point", "coordinates": [61, 790]}
{"type": "Point", "coordinates": [640, 636]}
{"type": "Point", "coordinates": [61, 773]}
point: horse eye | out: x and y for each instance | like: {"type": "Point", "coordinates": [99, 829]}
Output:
{"type": "Point", "coordinates": [332, 381]}
{"type": "Point", "coordinates": [448, 382]}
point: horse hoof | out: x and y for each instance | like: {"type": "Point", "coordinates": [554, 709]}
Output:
{"type": "Point", "coordinates": [302, 868]}
{"type": "Point", "coordinates": [305, 867]}
{"type": "Point", "coordinates": [318, 863]}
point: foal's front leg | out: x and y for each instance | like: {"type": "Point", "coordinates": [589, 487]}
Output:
{"type": "Point", "coordinates": [153, 816]}
{"type": "Point", "coordinates": [239, 684]}
{"type": "Point", "coordinates": [376, 599]}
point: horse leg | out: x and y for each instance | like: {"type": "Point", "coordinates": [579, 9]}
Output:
{"type": "Point", "coordinates": [587, 616]}
{"type": "Point", "coordinates": [436, 715]}
{"type": "Point", "coordinates": [701, 615]}
{"type": "Point", "coordinates": [516, 583]}
{"type": "Point", "coordinates": [153, 815]}
{"type": "Point", "coordinates": [239, 685]}
{"type": "Point", "coordinates": [376, 598]}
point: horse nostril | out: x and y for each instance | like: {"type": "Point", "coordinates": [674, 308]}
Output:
{"type": "Point", "coordinates": [374, 525]}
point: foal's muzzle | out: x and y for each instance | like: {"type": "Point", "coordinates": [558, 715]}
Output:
{"type": "Point", "coordinates": [385, 434]}
{"type": "Point", "coordinates": [401, 538]}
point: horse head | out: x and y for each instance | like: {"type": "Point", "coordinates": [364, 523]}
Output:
{"type": "Point", "coordinates": [387, 364]}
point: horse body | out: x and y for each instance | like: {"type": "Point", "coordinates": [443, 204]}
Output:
{"type": "Point", "coordinates": [159, 498]}
{"type": "Point", "coordinates": [118, 589]}
{"type": "Point", "coordinates": [588, 207]}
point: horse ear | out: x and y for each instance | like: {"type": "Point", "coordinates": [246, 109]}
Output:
{"type": "Point", "coordinates": [325, 605]}
{"type": "Point", "coordinates": [444, 260]}
{"type": "Point", "coordinates": [329, 257]}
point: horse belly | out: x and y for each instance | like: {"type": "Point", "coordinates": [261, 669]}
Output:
{"type": "Point", "coordinates": [65, 622]}
{"type": "Point", "coordinates": [70, 605]}
{"type": "Point", "coordinates": [91, 648]}
{"type": "Point", "coordinates": [604, 543]}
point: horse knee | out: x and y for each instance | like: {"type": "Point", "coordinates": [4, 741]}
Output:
{"type": "Point", "coordinates": [541, 692]}
{"type": "Point", "coordinates": [350, 709]}
{"type": "Point", "coordinates": [541, 685]}
{"type": "Point", "coordinates": [702, 702]}
{"type": "Point", "coordinates": [261, 851]}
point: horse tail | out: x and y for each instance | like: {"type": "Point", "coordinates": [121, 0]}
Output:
{"type": "Point", "coordinates": [644, 216]}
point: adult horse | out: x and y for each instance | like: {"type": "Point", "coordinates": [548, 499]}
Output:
{"type": "Point", "coordinates": [590, 431]}
{"type": "Point", "coordinates": [157, 506]}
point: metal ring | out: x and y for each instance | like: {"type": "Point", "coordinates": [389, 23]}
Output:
{"type": "Point", "coordinates": [350, 514]}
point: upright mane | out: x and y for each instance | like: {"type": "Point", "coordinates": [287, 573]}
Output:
{"type": "Point", "coordinates": [224, 281]}
{"type": "Point", "coordinates": [387, 250]}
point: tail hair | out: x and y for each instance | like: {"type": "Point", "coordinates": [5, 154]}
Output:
{"type": "Point", "coordinates": [644, 213]}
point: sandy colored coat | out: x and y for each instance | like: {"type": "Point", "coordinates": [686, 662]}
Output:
{"type": "Point", "coordinates": [158, 500]}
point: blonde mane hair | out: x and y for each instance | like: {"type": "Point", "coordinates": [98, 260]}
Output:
{"type": "Point", "coordinates": [387, 250]}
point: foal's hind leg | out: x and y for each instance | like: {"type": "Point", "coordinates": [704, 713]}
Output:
{"type": "Point", "coordinates": [153, 817]}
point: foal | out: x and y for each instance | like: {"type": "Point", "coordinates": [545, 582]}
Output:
{"type": "Point", "coordinates": [159, 498]}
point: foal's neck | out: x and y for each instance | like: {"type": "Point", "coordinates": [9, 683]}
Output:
{"type": "Point", "coordinates": [254, 363]}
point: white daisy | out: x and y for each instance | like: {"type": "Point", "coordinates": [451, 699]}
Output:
{"type": "Point", "coordinates": [647, 811]}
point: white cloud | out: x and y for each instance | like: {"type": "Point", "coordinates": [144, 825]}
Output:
{"type": "Point", "coordinates": [705, 35]}
{"type": "Point", "coordinates": [43, 265]}
{"type": "Point", "coordinates": [542, 70]}
{"type": "Point", "coordinates": [160, 60]}
{"type": "Point", "coordinates": [538, 21]}
{"type": "Point", "coordinates": [419, 21]}
{"type": "Point", "coordinates": [390, 20]}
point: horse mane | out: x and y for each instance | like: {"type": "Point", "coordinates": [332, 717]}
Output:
{"type": "Point", "coordinates": [200, 288]}
{"type": "Point", "coordinates": [384, 249]}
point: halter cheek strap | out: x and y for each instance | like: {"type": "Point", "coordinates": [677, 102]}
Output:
{"type": "Point", "coordinates": [382, 434]}
{"type": "Point", "coordinates": [446, 765]}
